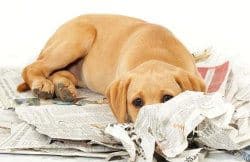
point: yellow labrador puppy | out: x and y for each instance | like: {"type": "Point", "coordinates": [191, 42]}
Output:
{"type": "Point", "coordinates": [133, 62]}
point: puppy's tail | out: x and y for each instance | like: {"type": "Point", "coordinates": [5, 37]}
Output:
{"type": "Point", "coordinates": [23, 87]}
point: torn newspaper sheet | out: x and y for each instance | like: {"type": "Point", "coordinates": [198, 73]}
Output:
{"type": "Point", "coordinates": [10, 98]}
{"type": "Point", "coordinates": [219, 120]}
{"type": "Point", "coordinates": [171, 122]}
{"type": "Point", "coordinates": [74, 123]}
{"type": "Point", "coordinates": [24, 136]}
{"type": "Point", "coordinates": [172, 140]}
{"type": "Point", "coordinates": [215, 77]}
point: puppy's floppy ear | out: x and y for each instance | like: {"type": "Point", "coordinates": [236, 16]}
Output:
{"type": "Point", "coordinates": [117, 97]}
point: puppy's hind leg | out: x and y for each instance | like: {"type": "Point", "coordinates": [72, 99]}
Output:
{"type": "Point", "coordinates": [71, 42]}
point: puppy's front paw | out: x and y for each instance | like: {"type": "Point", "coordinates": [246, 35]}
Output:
{"type": "Point", "coordinates": [43, 88]}
{"type": "Point", "coordinates": [65, 90]}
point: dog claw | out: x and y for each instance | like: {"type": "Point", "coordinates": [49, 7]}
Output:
{"type": "Point", "coordinates": [41, 94]}
{"type": "Point", "coordinates": [63, 92]}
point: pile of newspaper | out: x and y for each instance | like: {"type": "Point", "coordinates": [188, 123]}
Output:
{"type": "Point", "coordinates": [186, 128]}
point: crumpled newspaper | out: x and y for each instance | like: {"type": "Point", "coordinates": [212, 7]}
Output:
{"type": "Point", "coordinates": [170, 123]}
{"type": "Point", "coordinates": [219, 119]}
{"type": "Point", "coordinates": [185, 128]}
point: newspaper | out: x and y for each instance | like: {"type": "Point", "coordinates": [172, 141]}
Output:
{"type": "Point", "coordinates": [74, 123]}
{"type": "Point", "coordinates": [140, 147]}
{"type": "Point", "coordinates": [10, 98]}
{"type": "Point", "coordinates": [219, 119]}
{"type": "Point", "coordinates": [84, 127]}
{"type": "Point", "coordinates": [4, 133]}
{"type": "Point", "coordinates": [193, 155]}
{"type": "Point", "coordinates": [24, 136]}
{"type": "Point", "coordinates": [171, 122]}
{"type": "Point", "coordinates": [7, 118]}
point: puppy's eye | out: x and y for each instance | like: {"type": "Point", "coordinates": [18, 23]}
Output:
{"type": "Point", "coordinates": [165, 98]}
{"type": "Point", "coordinates": [138, 102]}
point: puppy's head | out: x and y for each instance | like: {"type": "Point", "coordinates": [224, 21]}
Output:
{"type": "Point", "coordinates": [149, 83]}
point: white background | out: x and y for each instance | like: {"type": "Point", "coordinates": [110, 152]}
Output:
{"type": "Point", "coordinates": [25, 25]}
